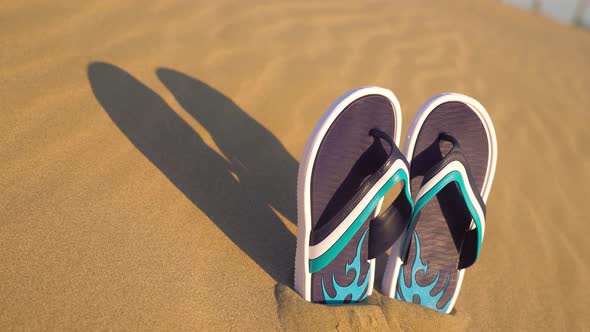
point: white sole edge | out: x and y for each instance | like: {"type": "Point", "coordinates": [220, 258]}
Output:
{"type": "Point", "coordinates": [394, 262]}
{"type": "Point", "coordinates": [302, 274]}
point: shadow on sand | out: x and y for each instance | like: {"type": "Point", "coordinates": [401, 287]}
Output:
{"type": "Point", "coordinates": [238, 193]}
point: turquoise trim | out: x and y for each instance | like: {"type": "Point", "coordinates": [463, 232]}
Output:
{"type": "Point", "coordinates": [327, 257]}
{"type": "Point", "coordinates": [453, 176]}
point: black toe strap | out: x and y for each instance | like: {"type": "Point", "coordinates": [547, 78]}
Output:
{"type": "Point", "coordinates": [386, 228]}
{"type": "Point", "coordinates": [391, 223]}
{"type": "Point", "coordinates": [453, 168]}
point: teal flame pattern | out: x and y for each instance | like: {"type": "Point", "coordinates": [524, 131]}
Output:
{"type": "Point", "coordinates": [356, 291]}
{"type": "Point", "coordinates": [407, 293]}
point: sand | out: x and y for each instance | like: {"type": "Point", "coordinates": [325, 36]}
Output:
{"type": "Point", "coordinates": [149, 152]}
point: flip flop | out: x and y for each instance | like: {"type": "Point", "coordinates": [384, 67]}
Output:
{"type": "Point", "coordinates": [452, 150]}
{"type": "Point", "coordinates": [350, 161]}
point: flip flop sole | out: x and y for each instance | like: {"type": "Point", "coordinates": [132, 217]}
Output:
{"type": "Point", "coordinates": [337, 158]}
{"type": "Point", "coordinates": [430, 276]}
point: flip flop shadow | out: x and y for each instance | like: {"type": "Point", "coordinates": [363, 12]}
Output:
{"type": "Point", "coordinates": [238, 192]}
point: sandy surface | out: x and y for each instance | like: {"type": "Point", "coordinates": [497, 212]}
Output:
{"type": "Point", "coordinates": [149, 151]}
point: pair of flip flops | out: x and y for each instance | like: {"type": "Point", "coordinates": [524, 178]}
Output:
{"type": "Point", "coordinates": [436, 224]}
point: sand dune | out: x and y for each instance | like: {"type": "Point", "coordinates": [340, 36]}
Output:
{"type": "Point", "coordinates": [149, 154]}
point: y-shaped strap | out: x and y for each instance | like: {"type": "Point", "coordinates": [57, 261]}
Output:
{"type": "Point", "coordinates": [453, 168]}
{"type": "Point", "coordinates": [390, 224]}
{"type": "Point", "coordinates": [331, 238]}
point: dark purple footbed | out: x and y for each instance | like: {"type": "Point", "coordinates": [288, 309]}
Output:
{"type": "Point", "coordinates": [346, 157]}
{"type": "Point", "coordinates": [443, 221]}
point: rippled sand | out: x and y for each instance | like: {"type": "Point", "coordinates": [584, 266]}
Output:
{"type": "Point", "coordinates": [149, 151]}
